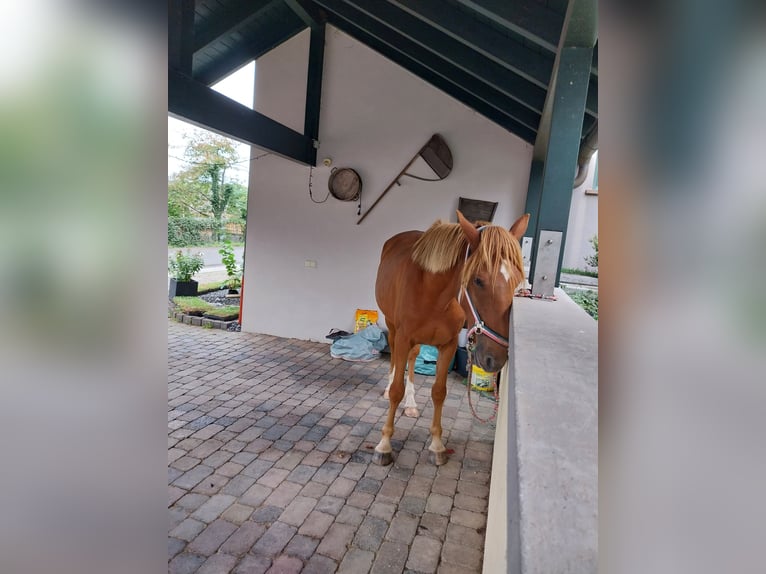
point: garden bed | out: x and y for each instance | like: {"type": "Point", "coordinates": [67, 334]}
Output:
{"type": "Point", "coordinates": [211, 310]}
{"type": "Point", "coordinates": [219, 298]}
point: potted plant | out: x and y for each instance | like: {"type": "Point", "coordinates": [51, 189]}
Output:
{"type": "Point", "coordinates": [181, 269]}
{"type": "Point", "coordinates": [232, 269]}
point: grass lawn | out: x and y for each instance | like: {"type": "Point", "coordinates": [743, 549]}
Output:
{"type": "Point", "coordinates": [192, 305]}
{"type": "Point", "coordinates": [579, 272]}
{"type": "Point", "coordinates": [203, 288]}
{"type": "Point", "coordinates": [198, 308]}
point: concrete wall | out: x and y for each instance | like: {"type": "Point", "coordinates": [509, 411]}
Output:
{"type": "Point", "coordinates": [374, 118]}
{"type": "Point", "coordinates": [543, 499]}
{"type": "Point", "coordinates": [500, 544]}
{"type": "Point", "coordinates": [583, 222]}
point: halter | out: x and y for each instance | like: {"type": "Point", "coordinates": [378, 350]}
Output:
{"type": "Point", "coordinates": [479, 328]}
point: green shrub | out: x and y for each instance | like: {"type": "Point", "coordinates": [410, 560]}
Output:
{"type": "Point", "coordinates": [187, 231]}
{"type": "Point", "coordinates": [586, 299]}
{"type": "Point", "coordinates": [183, 267]}
{"type": "Point", "coordinates": [232, 269]}
{"type": "Point", "coordinates": [592, 260]}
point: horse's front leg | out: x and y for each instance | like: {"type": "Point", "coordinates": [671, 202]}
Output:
{"type": "Point", "coordinates": [382, 455]}
{"type": "Point", "coordinates": [410, 406]}
{"type": "Point", "coordinates": [438, 394]}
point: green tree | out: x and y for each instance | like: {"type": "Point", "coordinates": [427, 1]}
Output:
{"type": "Point", "coordinates": [201, 190]}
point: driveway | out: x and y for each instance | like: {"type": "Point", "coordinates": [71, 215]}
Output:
{"type": "Point", "coordinates": [269, 464]}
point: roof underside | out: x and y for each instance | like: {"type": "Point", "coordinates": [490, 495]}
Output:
{"type": "Point", "coordinates": [496, 56]}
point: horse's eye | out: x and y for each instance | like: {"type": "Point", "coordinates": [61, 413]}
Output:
{"type": "Point", "coordinates": [478, 282]}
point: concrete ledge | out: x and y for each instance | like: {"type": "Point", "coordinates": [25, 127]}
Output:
{"type": "Point", "coordinates": [543, 506]}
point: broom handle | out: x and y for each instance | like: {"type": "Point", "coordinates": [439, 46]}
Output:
{"type": "Point", "coordinates": [396, 180]}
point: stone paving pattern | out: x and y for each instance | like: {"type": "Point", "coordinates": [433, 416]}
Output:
{"type": "Point", "coordinates": [269, 464]}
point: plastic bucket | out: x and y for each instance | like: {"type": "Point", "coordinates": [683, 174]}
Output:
{"type": "Point", "coordinates": [481, 380]}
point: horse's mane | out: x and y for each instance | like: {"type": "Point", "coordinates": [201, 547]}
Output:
{"type": "Point", "coordinates": [442, 246]}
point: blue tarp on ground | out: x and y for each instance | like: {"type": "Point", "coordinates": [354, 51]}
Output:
{"type": "Point", "coordinates": [425, 364]}
{"type": "Point", "coordinates": [363, 346]}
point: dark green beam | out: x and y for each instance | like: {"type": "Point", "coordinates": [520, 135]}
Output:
{"type": "Point", "coordinates": [314, 87]}
{"type": "Point", "coordinates": [233, 18]}
{"type": "Point", "coordinates": [455, 76]}
{"type": "Point", "coordinates": [427, 75]}
{"type": "Point", "coordinates": [180, 34]}
{"type": "Point", "coordinates": [563, 147]}
{"type": "Point", "coordinates": [529, 19]}
{"type": "Point", "coordinates": [594, 63]}
{"type": "Point", "coordinates": [450, 49]}
{"type": "Point", "coordinates": [591, 99]}
{"type": "Point", "coordinates": [201, 105]}
{"type": "Point", "coordinates": [395, 42]}
{"type": "Point", "coordinates": [580, 30]}
{"type": "Point", "coordinates": [532, 207]}
{"type": "Point", "coordinates": [241, 55]}
{"type": "Point", "coordinates": [483, 71]}
{"type": "Point", "coordinates": [482, 38]}
{"type": "Point", "coordinates": [306, 12]}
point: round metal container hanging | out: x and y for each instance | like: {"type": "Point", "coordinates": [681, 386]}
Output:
{"type": "Point", "coordinates": [345, 184]}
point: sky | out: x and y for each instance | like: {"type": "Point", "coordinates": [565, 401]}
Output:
{"type": "Point", "coordinates": [238, 86]}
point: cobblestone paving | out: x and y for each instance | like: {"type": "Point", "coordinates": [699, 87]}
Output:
{"type": "Point", "coordinates": [269, 464]}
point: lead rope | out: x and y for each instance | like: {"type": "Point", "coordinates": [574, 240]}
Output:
{"type": "Point", "coordinates": [468, 384]}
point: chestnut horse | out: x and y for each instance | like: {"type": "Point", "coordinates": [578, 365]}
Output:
{"type": "Point", "coordinates": [429, 284]}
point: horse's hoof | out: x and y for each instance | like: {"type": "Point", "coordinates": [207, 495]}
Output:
{"type": "Point", "coordinates": [385, 394]}
{"type": "Point", "coordinates": [382, 458]}
{"type": "Point", "coordinates": [438, 458]}
{"type": "Point", "coordinates": [411, 412]}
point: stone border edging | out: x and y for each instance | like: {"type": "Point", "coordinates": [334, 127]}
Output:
{"type": "Point", "coordinates": [201, 321]}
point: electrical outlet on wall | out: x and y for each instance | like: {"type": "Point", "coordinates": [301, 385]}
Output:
{"type": "Point", "coordinates": [310, 264]}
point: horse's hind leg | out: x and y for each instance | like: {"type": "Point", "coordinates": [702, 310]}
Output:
{"type": "Point", "coordinates": [391, 346]}
{"type": "Point", "coordinates": [438, 394]}
{"type": "Point", "coordinates": [382, 455]}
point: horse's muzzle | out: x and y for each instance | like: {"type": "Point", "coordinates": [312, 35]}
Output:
{"type": "Point", "coordinates": [489, 360]}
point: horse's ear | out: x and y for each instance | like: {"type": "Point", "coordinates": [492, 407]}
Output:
{"type": "Point", "coordinates": [471, 233]}
{"type": "Point", "coordinates": [520, 227]}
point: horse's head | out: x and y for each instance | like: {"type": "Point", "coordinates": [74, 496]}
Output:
{"type": "Point", "coordinates": [491, 274]}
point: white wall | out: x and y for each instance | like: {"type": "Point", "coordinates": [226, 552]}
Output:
{"type": "Point", "coordinates": [374, 118]}
{"type": "Point", "coordinates": [583, 222]}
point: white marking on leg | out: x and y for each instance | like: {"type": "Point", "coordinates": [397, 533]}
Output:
{"type": "Point", "coordinates": [384, 445]}
{"type": "Point", "coordinates": [390, 380]}
{"type": "Point", "coordinates": [410, 406]}
{"type": "Point", "coordinates": [409, 395]}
